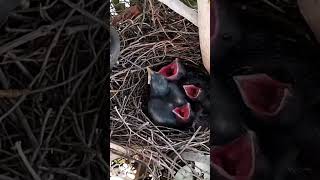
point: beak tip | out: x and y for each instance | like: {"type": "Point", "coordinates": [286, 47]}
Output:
{"type": "Point", "coordinates": [150, 72]}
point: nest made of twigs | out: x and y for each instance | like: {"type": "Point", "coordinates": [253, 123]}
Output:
{"type": "Point", "coordinates": [153, 39]}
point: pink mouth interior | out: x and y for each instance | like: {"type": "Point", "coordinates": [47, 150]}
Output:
{"type": "Point", "coordinates": [170, 71]}
{"type": "Point", "coordinates": [192, 91]}
{"type": "Point", "coordinates": [235, 159]}
{"type": "Point", "coordinates": [261, 93]}
{"type": "Point", "coordinates": [183, 112]}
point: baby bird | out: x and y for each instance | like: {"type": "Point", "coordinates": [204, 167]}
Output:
{"type": "Point", "coordinates": [240, 159]}
{"type": "Point", "coordinates": [167, 105]}
{"type": "Point", "coordinates": [197, 94]}
{"type": "Point", "coordinates": [165, 114]}
{"type": "Point", "coordinates": [236, 153]}
{"type": "Point", "coordinates": [160, 87]}
{"type": "Point", "coordinates": [225, 113]}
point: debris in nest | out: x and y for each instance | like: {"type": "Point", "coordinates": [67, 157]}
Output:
{"type": "Point", "coordinates": [13, 93]}
{"type": "Point", "coordinates": [200, 164]}
{"type": "Point", "coordinates": [128, 169]}
{"type": "Point", "coordinates": [129, 13]}
{"type": "Point", "coordinates": [123, 168]}
{"type": "Point", "coordinates": [202, 170]}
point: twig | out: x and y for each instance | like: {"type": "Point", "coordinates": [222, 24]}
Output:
{"type": "Point", "coordinates": [42, 31]}
{"type": "Point", "coordinates": [86, 13]}
{"type": "Point", "coordinates": [21, 99]}
{"type": "Point", "coordinates": [63, 172]}
{"type": "Point", "coordinates": [13, 93]}
{"type": "Point", "coordinates": [3, 80]}
{"type": "Point", "coordinates": [4, 177]}
{"type": "Point", "coordinates": [26, 162]}
{"type": "Point", "coordinates": [24, 122]}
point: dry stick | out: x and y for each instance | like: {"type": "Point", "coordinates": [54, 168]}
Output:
{"type": "Point", "coordinates": [27, 128]}
{"type": "Point", "coordinates": [77, 129]}
{"type": "Point", "coordinates": [63, 172]}
{"type": "Point", "coordinates": [26, 162]}
{"type": "Point", "coordinates": [54, 43]}
{"type": "Point", "coordinates": [86, 13]}
{"type": "Point", "coordinates": [24, 70]}
{"type": "Point", "coordinates": [94, 126]}
{"type": "Point", "coordinates": [12, 171]}
{"type": "Point", "coordinates": [13, 93]}
{"type": "Point", "coordinates": [73, 56]}
{"type": "Point", "coordinates": [42, 31]}
{"type": "Point", "coordinates": [3, 80]}
{"type": "Point", "coordinates": [273, 6]}
{"type": "Point", "coordinates": [75, 88]}
{"type": "Point", "coordinates": [65, 51]}
{"type": "Point", "coordinates": [184, 148]}
{"type": "Point", "coordinates": [46, 118]}
{"type": "Point", "coordinates": [80, 28]}
{"type": "Point", "coordinates": [175, 151]}
{"type": "Point", "coordinates": [3, 177]}
{"type": "Point", "coordinates": [41, 90]}
{"type": "Point", "coordinates": [151, 143]}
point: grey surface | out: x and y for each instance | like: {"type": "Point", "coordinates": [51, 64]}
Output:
{"type": "Point", "coordinates": [7, 6]}
{"type": "Point", "coordinates": [114, 46]}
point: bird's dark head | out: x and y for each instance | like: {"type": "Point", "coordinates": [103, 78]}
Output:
{"type": "Point", "coordinates": [158, 84]}
{"type": "Point", "coordinates": [173, 71]}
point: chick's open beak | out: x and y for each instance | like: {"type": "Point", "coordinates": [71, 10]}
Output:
{"type": "Point", "coordinates": [192, 91]}
{"type": "Point", "coordinates": [183, 112]}
{"type": "Point", "coordinates": [263, 94]}
{"type": "Point", "coordinates": [171, 70]}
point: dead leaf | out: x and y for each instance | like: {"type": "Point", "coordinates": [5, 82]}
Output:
{"type": "Point", "coordinates": [310, 9]}
{"type": "Point", "coordinates": [13, 93]}
{"type": "Point", "coordinates": [202, 166]}
{"type": "Point", "coordinates": [129, 13]}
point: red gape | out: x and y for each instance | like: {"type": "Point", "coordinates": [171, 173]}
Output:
{"type": "Point", "coordinates": [192, 91]}
{"type": "Point", "coordinates": [262, 94]}
{"type": "Point", "coordinates": [183, 112]}
{"type": "Point", "coordinates": [235, 160]}
{"type": "Point", "coordinates": [170, 71]}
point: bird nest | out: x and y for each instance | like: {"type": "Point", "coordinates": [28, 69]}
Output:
{"type": "Point", "coordinates": [152, 39]}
